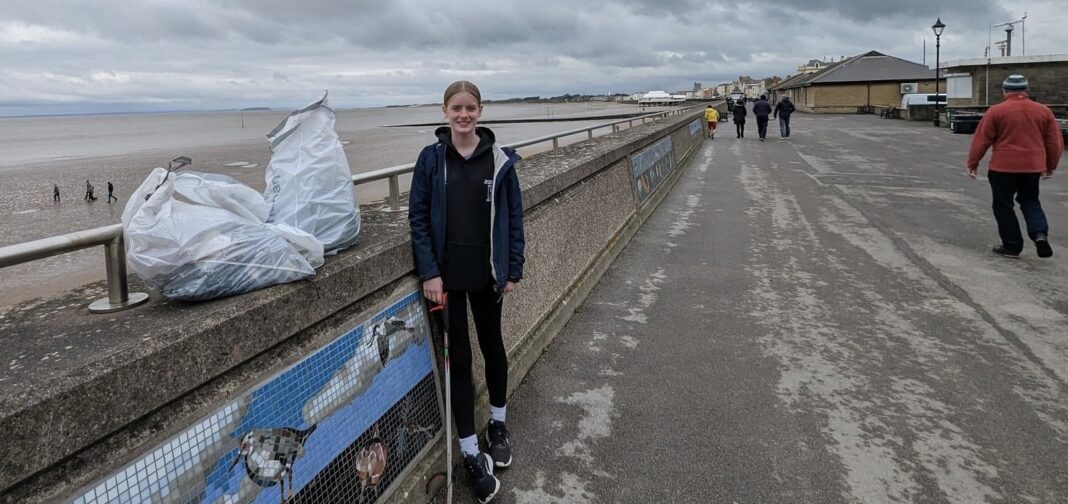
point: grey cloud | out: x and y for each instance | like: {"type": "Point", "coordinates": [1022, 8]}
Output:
{"type": "Point", "coordinates": [377, 52]}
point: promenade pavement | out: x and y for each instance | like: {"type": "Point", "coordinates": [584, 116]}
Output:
{"type": "Point", "coordinates": [812, 321]}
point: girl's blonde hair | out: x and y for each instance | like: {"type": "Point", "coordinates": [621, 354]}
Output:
{"type": "Point", "coordinates": [460, 87]}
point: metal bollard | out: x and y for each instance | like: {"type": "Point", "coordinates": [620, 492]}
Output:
{"type": "Point", "coordinates": [589, 133]}
{"type": "Point", "coordinates": [556, 143]}
{"type": "Point", "coordinates": [119, 297]}
{"type": "Point", "coordinates": [394, 193]}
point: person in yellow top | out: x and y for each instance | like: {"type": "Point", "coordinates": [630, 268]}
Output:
{"type": "Point", "coordinates": [712, 116]}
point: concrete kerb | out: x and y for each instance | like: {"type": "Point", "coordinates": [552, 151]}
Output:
{"type": "Point", "coordinates": [198, 365]}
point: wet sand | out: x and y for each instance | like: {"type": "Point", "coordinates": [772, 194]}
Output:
{"type": "Point", "coordinates": [29, 213]}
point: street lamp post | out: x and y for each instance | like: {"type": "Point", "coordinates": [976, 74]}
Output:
{"type": "Point", "coordinates": [937, 27]}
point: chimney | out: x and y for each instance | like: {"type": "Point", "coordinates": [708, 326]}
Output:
{"type": "Point", "coordinates": [1008, 40]}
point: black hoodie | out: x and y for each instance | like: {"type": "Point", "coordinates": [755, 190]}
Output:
{"type": "Point", "coordinates": [468, 186]}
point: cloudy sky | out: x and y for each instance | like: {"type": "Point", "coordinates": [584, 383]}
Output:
{"type": "Point", "coordinates": [77, 56]}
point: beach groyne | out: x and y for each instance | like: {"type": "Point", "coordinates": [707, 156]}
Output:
{"type": "Point", "coordinates": [315, 391]}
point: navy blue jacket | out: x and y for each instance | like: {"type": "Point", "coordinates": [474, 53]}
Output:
{"type": "Point", "coordinates": [784, 108]}
{"type": "Point", "coordinates": [761, 108]}
{"type": "Point", "coordinates": [426, 215]}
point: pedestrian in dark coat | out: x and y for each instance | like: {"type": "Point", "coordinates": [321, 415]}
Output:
{"type": "Point", "coordinates": [762, 109]}
{"type": "Point", "coordinates": [739, 118]}
{"type": "Point", "coordinates": [466, 217]}
{"type": "Point", "coordinates": [783, 109]}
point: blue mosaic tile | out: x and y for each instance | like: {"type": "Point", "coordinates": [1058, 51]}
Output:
{"type": "Point", "coordinates": [338, 426]}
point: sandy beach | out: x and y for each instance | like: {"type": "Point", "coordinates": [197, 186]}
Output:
{"type": "Point", "coordinates": [217, 144]}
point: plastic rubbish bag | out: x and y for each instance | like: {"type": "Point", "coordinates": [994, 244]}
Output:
{"type": "Point", "coordinates": [198, 236]}
{"type": "Point", "coordinates": [309, 185]}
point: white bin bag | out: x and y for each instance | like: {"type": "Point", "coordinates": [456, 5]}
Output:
{"type": "Point", "coordinates": [202, 236]}
{"type": "Point", "coordinates": [309, 185]}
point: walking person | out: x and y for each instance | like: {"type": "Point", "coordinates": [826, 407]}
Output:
{"type": "Point", "coordinates": [111, 190]}
{"type": "Point", "coordinates": [466, 217]}
{"type": "Point", "coordinates": [88, 190]}
{"type": "Point", "coordinates": [739, 118]}
{"type": "Point", "coordinates": [712, 117]}
{"type": "Point", "coordinates": [762, 109]}
{"type": "Point", "coordinates": [783, 109]}
{"type": "Point", "coordinates": [1027, 145]}
{"type": "Point", "coordinates": [55, 193]}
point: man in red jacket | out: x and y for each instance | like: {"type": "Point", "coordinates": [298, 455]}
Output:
{"type": "Point", "coordinates": [1027, 145]}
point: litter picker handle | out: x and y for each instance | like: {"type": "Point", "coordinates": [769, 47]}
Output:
{"type": "Point", "coordinates": [437, 307]}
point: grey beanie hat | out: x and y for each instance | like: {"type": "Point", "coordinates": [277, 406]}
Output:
{"type": "Point", "coordinates": [1015, 82]}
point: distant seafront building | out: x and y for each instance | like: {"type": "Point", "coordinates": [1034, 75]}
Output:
{"type": "Point", "coordinates": [660, 98]}
{"type": "Point", "coordinates": [813, 66]}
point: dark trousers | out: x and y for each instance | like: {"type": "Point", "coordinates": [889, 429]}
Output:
{"type": "Point", "coordinates": [1024, 186]}
{"type": "Point", "coordinates": [762, 125]}
{"type": "Point", "coordinates": [486, 310]}
{"type": "Point", "coordinates": [784, 126]}
{"type": "Point", "coordinates": [740, 126]}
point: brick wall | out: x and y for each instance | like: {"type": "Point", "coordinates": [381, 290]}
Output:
{"type": "Point", "coordinates": [847, 97]}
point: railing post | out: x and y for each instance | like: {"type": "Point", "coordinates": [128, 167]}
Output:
{"type": "Point", "coordinates": [556, 143]}
{"type": "Point", "coordinates": [119, 297]}
{"type": "Point", "coordinates": [589, 133]}
{"type": "Point", "coordinates": [394, 193]}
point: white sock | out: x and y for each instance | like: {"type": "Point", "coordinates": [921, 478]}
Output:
{"type": "Point", "coordinates": [469, 445]}
{"type": "Point", "coordinates": [498, 413]}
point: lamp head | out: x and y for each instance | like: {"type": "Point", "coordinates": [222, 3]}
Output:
{"type": "Point", "coordinates": [938, 27]}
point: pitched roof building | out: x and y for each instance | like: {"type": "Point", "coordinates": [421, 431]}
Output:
{"type": "Point", "coordinates": [870, 79]}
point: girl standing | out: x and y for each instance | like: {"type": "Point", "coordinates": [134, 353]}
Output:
{"type": "Point", "coordinates": [466, 217]}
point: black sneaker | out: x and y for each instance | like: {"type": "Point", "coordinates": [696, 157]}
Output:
{"type": "Point", "coordinates": [500, 443]}
{"type": "Point", "coordinates": [480, 469]}
{"type": "Point", "coordinates": [1044, 250]}
{"type": "Point", "coordinates": [1003, 252]}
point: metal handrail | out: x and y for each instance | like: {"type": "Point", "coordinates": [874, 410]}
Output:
{"type": "Point", "coordinates": [393, 173]}
{"type": "Point", "coordinates": [113, 240]}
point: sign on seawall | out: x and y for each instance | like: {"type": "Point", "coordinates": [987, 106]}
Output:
{"type": "Point", "coordinates": [651, 166]}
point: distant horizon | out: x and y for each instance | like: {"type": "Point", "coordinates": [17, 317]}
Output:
{"type": "Point", "coordinates": [259, 108]}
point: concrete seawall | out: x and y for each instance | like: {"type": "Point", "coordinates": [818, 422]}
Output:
{"type": "Point", "coordinates": [91, 395]}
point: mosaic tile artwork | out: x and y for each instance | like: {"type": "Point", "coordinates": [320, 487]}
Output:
{"type": "Point", "coordinates": [651, 166]}
{"type": "Point", "coordinates": [338, 426]}
{"type": "Point", "coordinates": [695, 127]}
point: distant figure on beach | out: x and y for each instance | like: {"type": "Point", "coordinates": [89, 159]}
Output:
{"type": "Point", "coordinates": [111, 190]}
{"type": "Point", "coordinates": [88, 190]}
{"type": "Point", "coordinates": [739, 118]}
{"type": "Point", "coordinates": [1027, 145]}
{"type": "Point", "coordinates": [55, 193]}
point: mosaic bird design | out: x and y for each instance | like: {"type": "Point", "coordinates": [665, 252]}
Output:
{"type": "Point", "coordinates": [382, 333]}
{"type": "Point", "coordinates": [269, 455]}
{"type": "Point", "coordinates": [371, 463]}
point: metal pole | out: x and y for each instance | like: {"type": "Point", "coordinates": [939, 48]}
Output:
{"type": "Point", "coordinates": [556, 143]}
{"type": "Point", "coordinates": [938, 102]}
{"type": "Point", "coordinates": [394, 192]}
{"type": "Point", "coordinates": [119, 297]}
{"type": "Point", "coordinates": [589, 133]}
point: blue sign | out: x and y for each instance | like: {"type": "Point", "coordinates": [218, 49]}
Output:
{"type": "Point", "coordinates": [651, 166]}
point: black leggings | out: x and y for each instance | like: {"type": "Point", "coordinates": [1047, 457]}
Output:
{"type": "Point", "coordinates": [487, 313]}
{"type": "Point", "coordinates": [740, 126]}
